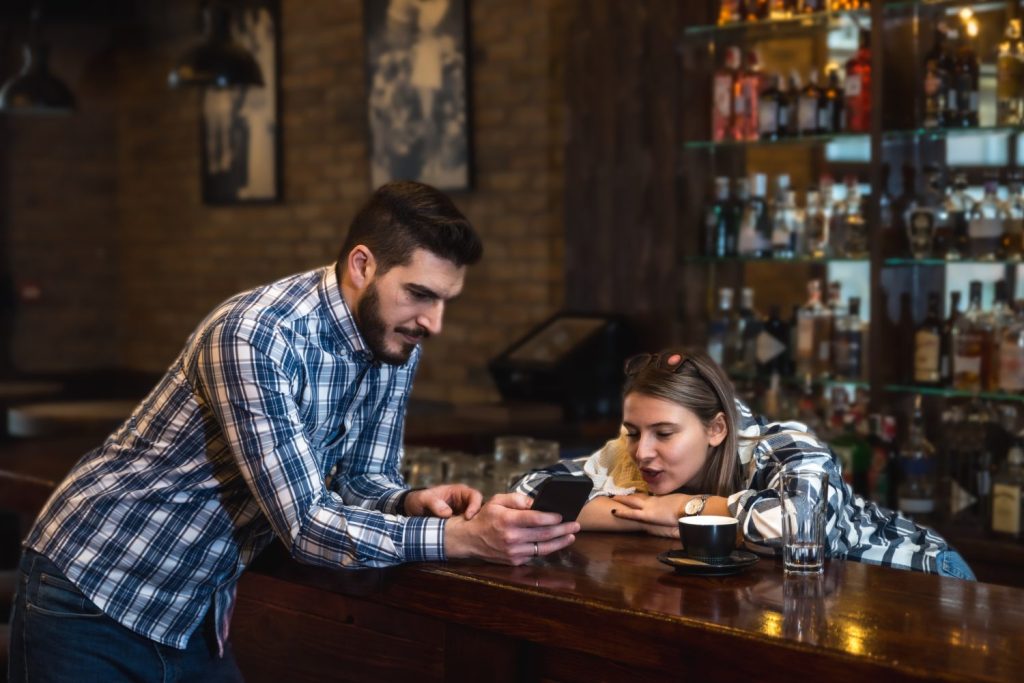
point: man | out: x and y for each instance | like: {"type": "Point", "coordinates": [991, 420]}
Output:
{"type": "Point", "coordinates": [282, 416]}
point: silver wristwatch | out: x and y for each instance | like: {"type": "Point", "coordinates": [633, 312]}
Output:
{"type": "Point", "coordinates": [695, 505]}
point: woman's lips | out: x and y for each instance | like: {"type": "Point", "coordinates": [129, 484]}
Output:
{"type": "Point", "coordinates": [650, 476]}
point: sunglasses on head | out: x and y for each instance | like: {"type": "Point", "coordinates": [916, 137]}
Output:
{"type": "Point", "coordinates": [670, 362]}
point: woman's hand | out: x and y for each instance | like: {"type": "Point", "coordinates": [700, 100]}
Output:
{"type": "Point", "coordinates": [652, 511]}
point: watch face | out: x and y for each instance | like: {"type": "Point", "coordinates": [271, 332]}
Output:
{"type": "Point", "coordinates": [693, 506]}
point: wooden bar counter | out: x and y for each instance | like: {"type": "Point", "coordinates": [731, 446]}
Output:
{"type": "Point", "coordinates": [607, 610]}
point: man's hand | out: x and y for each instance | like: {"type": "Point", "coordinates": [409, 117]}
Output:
{"type": "Point", "coordinates": [507, 531]}
{"type": "Point", "coordinates": [663, 511]}
{"type": "Point", "coordinates": [444, 501]}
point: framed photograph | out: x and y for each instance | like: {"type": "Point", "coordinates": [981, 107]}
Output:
{"type": "Point", "coordinates": [417, 82]}
{"type": "Point", "coordinates": [240, 137]}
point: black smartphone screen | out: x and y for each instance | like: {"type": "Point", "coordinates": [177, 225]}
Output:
{"type": "Point", "coordinates": [564, 494]}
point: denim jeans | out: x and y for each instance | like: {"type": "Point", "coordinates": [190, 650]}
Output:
{"type": "Point", "coordinates": [58, 635]}
{"type": "Point", "coordinates": [952, 563]}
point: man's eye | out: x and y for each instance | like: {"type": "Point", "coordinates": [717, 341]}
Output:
{"type": "Point", "coordinates": [418, 295]}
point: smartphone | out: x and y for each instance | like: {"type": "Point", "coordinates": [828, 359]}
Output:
{"type": "Point", "coordinates": [564, 494]}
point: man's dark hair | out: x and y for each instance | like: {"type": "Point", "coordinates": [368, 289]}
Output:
{"type": "Point", "coordinates": [402, 216]}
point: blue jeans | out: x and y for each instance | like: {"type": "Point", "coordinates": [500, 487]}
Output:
{"type": "Point", "coordinates": [952, 563]}
{"type": "Point", "coordinates": [58, 635]}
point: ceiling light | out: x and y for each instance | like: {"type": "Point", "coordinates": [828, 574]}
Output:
{"type": "Point", "coordinates": [218, 61]}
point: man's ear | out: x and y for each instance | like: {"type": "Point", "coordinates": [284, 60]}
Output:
{"type": "Point", "coordinates": [717, 430]}
{"type": "Point", "coordinates": [360, 266]}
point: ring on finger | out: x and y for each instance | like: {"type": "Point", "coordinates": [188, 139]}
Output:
{"type": "Point", "coordinates": [536, 550]}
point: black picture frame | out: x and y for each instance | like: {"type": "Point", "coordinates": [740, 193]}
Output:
{"type": "Point", "coordinates": [240, 135]}
{"type": "Point", "coordinates": [417, 74]}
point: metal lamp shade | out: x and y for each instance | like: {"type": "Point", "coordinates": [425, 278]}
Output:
{"type": "Point", "coordinates": [35, 90]}
{"type": "Point", "coordinates": [218, 61]}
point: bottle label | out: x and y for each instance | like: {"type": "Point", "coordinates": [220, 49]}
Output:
{"type": "Point", "coordinates": [722, 94]}
{"type": "Point", "coordinates": [985, 228]}
{"type": "Point", "coordinates": [1011, 367]}
{"type": "Point", "coordinates": [852, 85]}
{"type": "Point", "coordinates": [1006, 505]}
{"type": "Point", "coordinates": [926, 356]}
{"type": "Point", "coordinates": [805, 337]}
{"type": "Point", "coordinates": [807, 114]}
{"type": "Point", "coordinates": [767, 117]}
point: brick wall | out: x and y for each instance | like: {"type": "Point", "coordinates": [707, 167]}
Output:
{"type": "Point", "coordinates": [132, 260]}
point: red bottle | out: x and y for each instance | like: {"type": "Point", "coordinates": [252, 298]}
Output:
{"type": "Point", "coordinates": [723, 88]}
{"type": "Point", "coordinates": [858, 87]}
{"type": "Point", "coordinates": [746, 104]}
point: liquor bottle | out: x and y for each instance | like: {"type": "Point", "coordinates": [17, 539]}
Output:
{"type": "Point", "coordinates": [916, 496]}
{"type": "Point", "coordinates": [720, 222]}
{"type": "Point", "coordinates": [948, 340]}
{"type": "Point", "coordinates": [986, 221]}
{"type": "Point", "coordinates": [763, 226]}
{"type": "Point", "coordinates": [884, 475]}
{"type": "Point", "coordinates": [926, 214]}
{"type": "Point", "coordinates": [966, 72]}
{"type": "Point", "coordinates": [972, 338]}
{"type": "Point", "coordinates": [780, 9]}
{"type": "Point", "coordinates": [854, 229]}
{"type": "Point", "coordinates": [785, 219]}
{"type": "Point", "coordinates": [813, 340]}
{"type": "Point", "coordinates": [831, 109]}
{"type": "Point", "coordinates": [853, 452]}
{"type": "Point", "coordinates": [847, 343]}
{"type": "Point", "coordinates": [957, 204]}
{"type": "Point", "coordinates": [947, 66]}
{"type": "Point", "coordinates": [773, 109]}
{"type": "Point", "coordinates": [858, 87]}
{"type": "Point", "coordinates": [999, 318]}
{"type": "Point", "coordinates": [1012, 242]}
{"type": "Point", "coordinates": [750, 85]}
{"type": "Point", "coordinates": [1010, 78]}
{"type": "Point", "coordinates": [816, 227]}
{"type": "Point", "coordinates": [749, 327]}
{"type": "Point", "coordinates": [729, 12]}
{"type": "Point", "coordinates": [927, 346]}
{"type": "Point", "coordinates": [936, 81]}
{"type": "Point", "coordinates": [808, 104]}
{"type": "Point", "coordinates": [720, 346]}
{"type": "Point", "coordinates": [723, 85]}
{"type": "Point", "coordinates": [1008, 495]}
{"type": "Point", "coordinates": [757, 10]}
{"type": "Point", "coordinates": [750, 215]}
{"type": "Point", "coordinates": [1011, 354]}
{"type": "Point", "coordinates": [773, 345]}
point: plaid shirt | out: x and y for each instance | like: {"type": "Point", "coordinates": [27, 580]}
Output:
{"type": "Point", "coordinates": [274, 394]}
{"type": "Point", "coordinates": [857, 529]}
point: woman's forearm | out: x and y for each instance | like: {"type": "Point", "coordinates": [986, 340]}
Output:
{"type": "Point", "coordinates": [597, 516]}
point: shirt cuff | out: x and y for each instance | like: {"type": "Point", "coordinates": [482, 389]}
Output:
{"type": "Point", "coordinates": [423, 539]}
{"type": "Point", "coordinates": [388, 503]}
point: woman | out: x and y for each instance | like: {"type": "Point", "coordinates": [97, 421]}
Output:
{"type": "Point", "coordinates": [688, 446]}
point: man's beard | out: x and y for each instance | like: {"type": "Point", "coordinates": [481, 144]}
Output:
{"type": "Point", "coordinates": [374, 330]}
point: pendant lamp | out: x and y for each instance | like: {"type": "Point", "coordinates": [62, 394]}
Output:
{"type": "Point", "coordinates": [218, 61]}
{"type": "Point", "coordinates": [35, 90]}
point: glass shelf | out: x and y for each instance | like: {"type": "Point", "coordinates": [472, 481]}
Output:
{"type": "Point", "coordinates": [794, 381]}
{"type": "Point", "coordinates": [952, 393]}
{"type": "Point", "coordinates": [978, 7]}
{"type": "Point", "coordinates": [780, 261]}
{"type": "Point", "coordinates": [944, 262]}
{"type": "Point", "coordinates": [944, 133]}
{"type": "Point", "coordinates": [799, 140]}
{"type": "Point", "coordinates": [772, 27]}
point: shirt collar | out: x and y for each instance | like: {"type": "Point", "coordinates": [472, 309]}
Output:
{"type": "Point", "coordinates": [340, 315]}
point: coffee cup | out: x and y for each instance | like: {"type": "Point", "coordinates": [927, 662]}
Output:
{"type": "Point", "coordinates": [708, 538]}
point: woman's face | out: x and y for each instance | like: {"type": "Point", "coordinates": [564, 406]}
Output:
{"type": "Point", "coordinates": [668, 442]}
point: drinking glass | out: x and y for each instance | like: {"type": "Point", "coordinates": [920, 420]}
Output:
{"type": "Point", "coordinates": [804, 498]}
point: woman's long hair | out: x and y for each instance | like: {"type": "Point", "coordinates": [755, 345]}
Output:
{"type": "Point", "coordinates": [698, 384]}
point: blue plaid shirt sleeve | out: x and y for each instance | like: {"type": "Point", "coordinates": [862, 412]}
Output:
{"type": "Point", "coordinates": [249, 375]}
